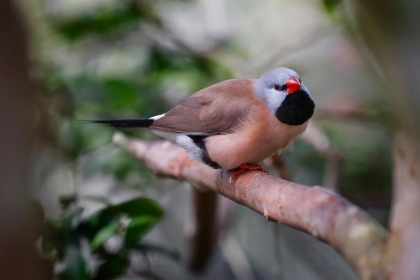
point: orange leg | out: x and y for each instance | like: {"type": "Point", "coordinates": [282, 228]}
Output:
{"type": "Point", "coordinates": [245, 167]}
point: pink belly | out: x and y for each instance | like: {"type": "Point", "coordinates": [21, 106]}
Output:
{"type": "Point", "coordinates": [246, 146]}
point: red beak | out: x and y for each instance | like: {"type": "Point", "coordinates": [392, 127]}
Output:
{"type": "Point", "coordinates": [292, 84]}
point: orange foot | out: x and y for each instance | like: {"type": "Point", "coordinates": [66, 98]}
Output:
{"type": "Point", "coordinates": [245, 167]}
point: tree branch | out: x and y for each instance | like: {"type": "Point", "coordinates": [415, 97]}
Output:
{"type": "Point", "coordinates": [329, 217]}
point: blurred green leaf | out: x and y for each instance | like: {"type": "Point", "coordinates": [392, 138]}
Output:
{"type": "Point", "coordinates": [101, 218]}
{"type": "Point", "coordinates": [120, 93]}
{"type": "Point", "coordinates": [331, 5]}
{"type": "Point", "coordinates": [95, 223]}
{"type": "Point", "coordinates": [103, 235]}
{"type": "Point", "coordinates": [137, 228]}
{"type": "Point", "coordinates": [113, 97]}
{"type": "Point", "coordinates": [96, 198]}
{"type": "Point", "coordinates": [71, 220]}
{"type": "Point", "coordinates": [113, 267]}
{"type": "Point", "coordinates": [100, 20]}
{"type": "Point", "coordinates": [205, 70]}
{"type": "Point", "coordinates": [76, 267]}
{"type": "Point", "coordinates": [141, 206]}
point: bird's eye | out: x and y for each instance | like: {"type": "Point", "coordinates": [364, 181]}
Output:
{"type": "Point", "coordinates": [279, 88]}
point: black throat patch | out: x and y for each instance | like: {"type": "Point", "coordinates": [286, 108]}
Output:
{"type": "Point", "coordinates": [296, 108]}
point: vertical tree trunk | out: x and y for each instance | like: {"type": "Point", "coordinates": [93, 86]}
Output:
{"type": "Point", "coordinates": [405, 218]}
{"type": "Point", "coordinates": [17, 250]}
{"type": "Point", "coordinates": [389, 31]}
{"type": "Point", "coordinates": [203, 238]}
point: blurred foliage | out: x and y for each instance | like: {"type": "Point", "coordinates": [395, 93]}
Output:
{"type": "Point", "coordinates": [365, 146]}
{"type": "Point", "coordinates": [90, 92]}
{"type": "Point", "coordinates": [80, 84]}
{"type": "Point", "coordinates": [78, 247]}
{"type": "Point", "coordinates": [367, 164]}
{"type": "Point", "coordinates": [100, 20]}
{"type": "Point", "coordinates": [368, 161]}
{"type": "Point", "coordinates": [331, 5]}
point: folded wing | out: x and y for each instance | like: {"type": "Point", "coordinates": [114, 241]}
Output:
{"type": "Point", "coordinates": [217, 109]}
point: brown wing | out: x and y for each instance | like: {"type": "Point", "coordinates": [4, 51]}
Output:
{"type": "Point", "coordinates": [213, 110]}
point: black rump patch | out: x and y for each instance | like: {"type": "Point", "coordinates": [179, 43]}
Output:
{"type": "Point", "coordinates": [199, 140]}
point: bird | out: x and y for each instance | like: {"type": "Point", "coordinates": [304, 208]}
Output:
{"type": "Point", "coordinates": [237, 123]}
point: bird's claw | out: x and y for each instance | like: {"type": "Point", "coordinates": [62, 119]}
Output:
{"type": "Point", "coordinates": [243, 168]}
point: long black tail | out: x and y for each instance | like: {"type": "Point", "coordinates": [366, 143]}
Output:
{"type": "Point", "coordinates": [124, 123]}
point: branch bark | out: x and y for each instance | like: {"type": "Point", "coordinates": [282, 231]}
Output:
{"type": "Point", "coordinates": [327, 216]}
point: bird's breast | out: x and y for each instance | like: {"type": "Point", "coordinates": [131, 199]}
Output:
{"type": "Point", "coordinates": [253, 141]}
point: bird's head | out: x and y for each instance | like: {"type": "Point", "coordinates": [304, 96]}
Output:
{"type": "Point", "coordinates": [285, 95]}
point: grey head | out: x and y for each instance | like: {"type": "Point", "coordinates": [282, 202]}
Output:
{"type": "Point", "coordinates": [285, 95]}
